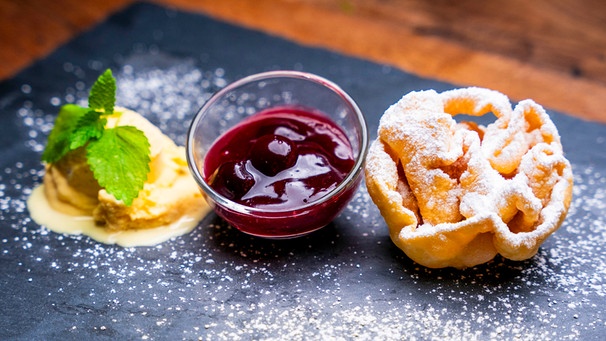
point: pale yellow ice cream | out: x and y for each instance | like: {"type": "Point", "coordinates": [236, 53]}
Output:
{"type": "Point", "coordinates": [168, 194]}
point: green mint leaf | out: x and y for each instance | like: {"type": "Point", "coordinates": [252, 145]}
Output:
{"type": "Point", "coordinates": [118, 157]}
{"type": "Point", "coordinates": [120, 161]}
{"type": "Point", "coordinates": [89, 127]}
{"type": "Point", "coordinates": [59, 139]}
{"type": "Point", "coordinates": [103, 93]}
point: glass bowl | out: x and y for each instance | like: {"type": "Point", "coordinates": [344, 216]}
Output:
{"type": "Point", "coordinates": [261, 92]}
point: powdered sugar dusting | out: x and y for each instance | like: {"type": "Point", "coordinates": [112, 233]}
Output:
{"type": "Point", "coordinates": [344, 282]}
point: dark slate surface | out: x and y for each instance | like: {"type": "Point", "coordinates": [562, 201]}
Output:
{"type": "Point", "coordinates": [346, 281]}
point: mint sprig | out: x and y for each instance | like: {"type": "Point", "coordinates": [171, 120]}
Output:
{"type": "Point", "coordinates": [118, 157]}
{"type": "Point", "coordinates": [59, 140]}
{"type": "Point", "coordinates": [89, 127]}
{"type": "Point", "coordinates": [102, 96]}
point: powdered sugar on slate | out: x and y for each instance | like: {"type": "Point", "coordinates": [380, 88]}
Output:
{"type": "Point", "coordinates": [346, 281]}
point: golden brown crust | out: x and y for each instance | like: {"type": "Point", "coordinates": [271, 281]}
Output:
{"type": "Point", "coordinates": [458, 194]}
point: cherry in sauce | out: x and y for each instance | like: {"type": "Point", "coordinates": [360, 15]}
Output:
{"type": "Point", "coordinates": [281, 158]}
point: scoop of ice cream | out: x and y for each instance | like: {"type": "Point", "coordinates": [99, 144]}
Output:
{"type": "Point", "coordinates": [169, 192]}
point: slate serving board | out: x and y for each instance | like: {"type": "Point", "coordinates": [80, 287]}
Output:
{"type": "Point", "coordinates": [346, 281]}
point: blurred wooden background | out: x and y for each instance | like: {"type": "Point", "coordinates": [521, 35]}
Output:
{"type": "Point", "coordinates": [551, 51]}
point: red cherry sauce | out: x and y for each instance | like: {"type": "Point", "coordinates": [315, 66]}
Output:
{"type": "Point", "coordinates": [279, 159]}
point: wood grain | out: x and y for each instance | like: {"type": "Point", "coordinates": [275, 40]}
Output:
{"type": "Point", "coordinates": [551, 51]}
{"type": "Point", "coordinates": [31, 29]}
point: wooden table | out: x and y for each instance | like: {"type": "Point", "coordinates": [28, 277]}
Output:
{"type": "Point", "coordinates": [551, 51]}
